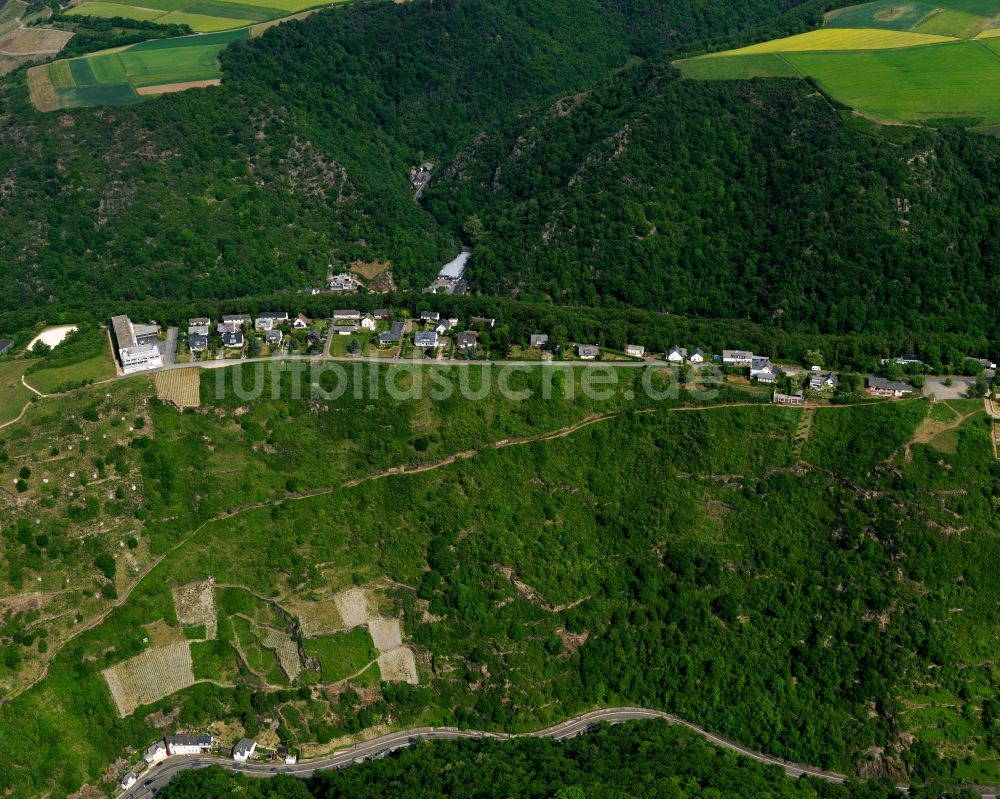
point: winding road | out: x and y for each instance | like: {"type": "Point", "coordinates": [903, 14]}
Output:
{"type": "Point", "coordinates": [154, 779]}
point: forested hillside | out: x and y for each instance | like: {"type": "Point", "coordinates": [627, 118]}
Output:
{"type": "Point", "coordinates": [308, 146]}
{"type": "Point", "coordinates": [644, 759]}
{"type": "Point", "coordinates": [726, 200]}
{"type": "Point", "coordinates": [747, 200]}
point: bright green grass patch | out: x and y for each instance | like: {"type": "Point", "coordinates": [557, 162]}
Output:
{"type": "Point", "coordinates": [100, 9]}
{"type": "Point", "coordinates": [214, 660]}
{"type": "Point", "coordinates": [157, 5]}
{"type": "Point", "coordinates": [342, 654]}
{"type": "Point", "coordinates": [61, 75]}
{"type": "Point", "coordinates": [982, 8]}
{"type": "Point", "coordinates": [946, 441]}
{"type": "Point", "coordinates": [50, 381]}
{"type": "Point", "coordinates": [887, 14]}
{"type": "Point", "coordinates": [960, 81]}
{"type": "Point", "coordinates": [737, 67]}
{"type": "Point", "coordinates": [220, 40]}
{"type": "Point", "coordinates": [13, 393]}
{"type": "Point", "coordinates": [238, 11]}
{"type": "Point", "coordinates": [202, 22]}
{"type": "Point", "coordinates": [940, 412]}
{"type": "Point", "coordinates": [286, 6]}
{"type": "Point", "coordinates": [150, 68]}
{"type": "Point", "coordinates": [87, 96]}
{"type": "Point", "coordinates": [952, 23]}
{"type": "Point", "coordinates": [965, 406]}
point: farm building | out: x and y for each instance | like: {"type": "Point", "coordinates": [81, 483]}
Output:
{"type": "Point", "coordinates": [635, 350]}
{"type": "Point", "coordinates": [677, 354]}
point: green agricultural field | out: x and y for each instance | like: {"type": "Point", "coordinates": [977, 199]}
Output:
{"type": "Point", "coordinates": [958, 81]}
{"type": "Point", "coordinates": [204, 16]}
{"type": "Point", "coordinates": [112, 77]}
{"type": "Point", "coordinates": [883, 60]}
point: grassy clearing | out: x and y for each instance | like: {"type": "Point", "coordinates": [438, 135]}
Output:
{"type": "Point", "coordinates": [342, 654]}
{"type": "Point", "coordinates": [91, 370]}
{"type": "Point", "coordinates": [13, 393]}
{"type": "Point", "coordinates": [104, 10]}
{"type": "Point", "coordinates": [769, 65]}
{"type": "Point", "coordinates": [888, 14]}
{"type": "Point", "coordinates": [952, 23]}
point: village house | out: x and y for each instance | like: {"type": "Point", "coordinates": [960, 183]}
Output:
{"type": "Point", "coordinates": [425, 340]}
{"type": "Point", "coordinates": [345, 281]}
{"type": "Point", "coordinates": [301, 322]}
{"type": "Point", "coordinates": [445, 325]}
{"type": "Point", "coordinates": [188, 744]}
{"type": "Point", "coordinates": [485, 321]}
{"type": "Point", "coordinates": [244, 749]}
{"type": "Point", "coordinates": [538, 340]}
{"type": "Point", "coordinates": [233, 340]}
{"type": "Point", "coordinates": [466, 340]}
{"type": "Point", "coordinates": [156, 752]}
{"type": "Point", "coordinates": [273, 337]}
{"type": "Point", "coordinates": [314, 337]}
{"type": "Point", "coordinates": [237, 320]}
{"type": "Point", "coordinates": [429, 316]}
{"type": "Point", "coordinates": [199, 321]}
{"type": "Point", "coordinates": [697, 357]}
{"type": "Point", "coordinates": [823, 381]}
{"type": "Point", "coordinates": [393, 336]}
{"type": "Point", "coordinates": [290, 759]}
{"type": "Point", "coordinates": [880, 387]}
{"type": "Point", "coordinates": [587, 352]}
{"type": "Point", "coordinates": [346, 315]}
{"type": "Point", "coordinates": [347, 330]}
{"type": "Point", "coordinates": [263, 323]}
{"type": "Point", "coordinates": [635, 350]}
{"type": "Point", "coordinates": [788, 399]}
{"type": "Point", "coordinates": [199, 330]}
{"type": "Point", "coordinates": [381, 313]}
{"type": "Point", "coordinates": [761, 369]}
{"type": "Point", "coordinates": [127, 781]}
{"type": "Point", "coordinates": [908, 360]}
{"type": "Point", "coordinates": [736, 358]}
{"type": "Point", "coordinates": [677, 354]}
{"type": "Point", "coordinates": [368, 322]}
{"type": "Point", "coordinates": [135, 355]}
{"type": "Point", "coordinates": [197, 342]}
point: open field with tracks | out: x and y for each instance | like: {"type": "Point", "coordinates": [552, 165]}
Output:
{"type": "Point", "coordinates": [915, 62]}
{"type": "Point", "coordinates": [157, 672]}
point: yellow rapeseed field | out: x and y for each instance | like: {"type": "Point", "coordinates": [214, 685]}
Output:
{"type": "Point", "coordinates": [842, 39]}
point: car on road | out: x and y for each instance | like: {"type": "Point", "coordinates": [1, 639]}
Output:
{"type": "Point", "coordinates": [148, 782]}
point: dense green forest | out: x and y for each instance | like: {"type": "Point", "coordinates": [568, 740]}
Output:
{"type": "Point", "coordinates": [749, 201]}
{"type": "Point", "coordinates": [643, 759]}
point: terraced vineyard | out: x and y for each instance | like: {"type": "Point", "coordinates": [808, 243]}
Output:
{"type": "Point", "coordinates": [910, 62]}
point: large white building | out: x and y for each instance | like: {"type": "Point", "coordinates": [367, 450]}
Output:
{"type": "Point", "coordinates": [244, 749]}
{"type": "Point", "coordinates": [137, 348]}
{"type": "Point", "coordinates": [188, 744]}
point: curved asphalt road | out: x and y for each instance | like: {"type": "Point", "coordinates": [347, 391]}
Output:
{"type": "Point", "coordinates": [154, 779]}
